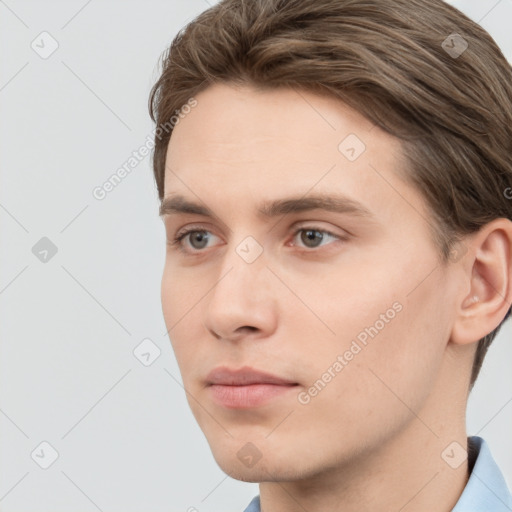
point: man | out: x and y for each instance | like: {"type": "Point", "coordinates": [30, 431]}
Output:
{"type": "Point", "coordinates": [336, 196]}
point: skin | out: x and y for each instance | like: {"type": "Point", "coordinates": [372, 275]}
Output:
{"type": "Point", "coordinates": [372, 438]}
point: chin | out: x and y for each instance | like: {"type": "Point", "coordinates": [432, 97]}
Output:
{"type": "Point", "coordinates": [266, 469]}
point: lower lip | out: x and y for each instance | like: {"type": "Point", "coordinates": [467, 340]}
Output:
{"type": "Point", "coordinates": [251, 395]}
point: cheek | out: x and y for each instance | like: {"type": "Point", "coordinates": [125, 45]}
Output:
{"type": "Point", "coordinates": [180, 297]}
{"type": "Point", "coordinates": [382, 324]}
{"type": "Point", "coordinates": [380, 382]}
{"type": "Point", "coordinates": [181, 292]}
{"type": "Point", "coordinates": [344, 300]}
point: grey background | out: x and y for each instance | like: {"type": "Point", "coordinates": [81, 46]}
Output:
{"type": "Point", "coordinates": [68, 376]}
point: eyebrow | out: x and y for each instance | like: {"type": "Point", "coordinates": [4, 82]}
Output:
{"type": "Point", "coordinates": [177, 204]}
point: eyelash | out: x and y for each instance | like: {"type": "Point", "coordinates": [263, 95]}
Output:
{"type": "Point", "coordinates": [177, 241]}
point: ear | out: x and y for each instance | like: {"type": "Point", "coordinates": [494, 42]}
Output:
{"type": "Point", "coordinates": [488, 277]}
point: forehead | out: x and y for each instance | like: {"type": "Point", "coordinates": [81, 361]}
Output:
{"type": "Point", "coordinates": [240, 144]}
{"type": "Point", "coordinates": [246, 120]}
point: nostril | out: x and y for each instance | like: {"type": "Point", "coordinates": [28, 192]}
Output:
{"type": "Point", "coordinates": [249, 327]}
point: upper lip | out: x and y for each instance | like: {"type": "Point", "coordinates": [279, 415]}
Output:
{"type": "Point", "coordinates": [243, 377]}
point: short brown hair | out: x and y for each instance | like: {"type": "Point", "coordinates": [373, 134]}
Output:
{"type": "Point", "coordinates": [389, 60]}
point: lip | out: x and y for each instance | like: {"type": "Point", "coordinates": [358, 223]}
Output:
{"type": "Point", "coordinates": [243, 377]}
{"type": "Point", "coordinates": [245, 387]}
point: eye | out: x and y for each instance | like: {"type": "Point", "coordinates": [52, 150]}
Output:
{"type": "Point", "coordinates": [312, 236]}
{"type": "Point", "coordinates": [197, 238]}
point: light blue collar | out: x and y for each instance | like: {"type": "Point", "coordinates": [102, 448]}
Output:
{"type": "Point", "coordinates": [486, 490]}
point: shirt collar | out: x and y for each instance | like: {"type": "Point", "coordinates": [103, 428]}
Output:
{"type": "Point", "coordinates": [485, 491]}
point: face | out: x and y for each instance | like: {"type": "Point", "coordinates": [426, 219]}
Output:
{"type": "Point", "coordinates": [335, 297]}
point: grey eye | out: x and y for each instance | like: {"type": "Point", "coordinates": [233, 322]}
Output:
{"type": "Point", "coordinates": [310, 236]}
{"type": "Point", "coordinates": [201, 237]}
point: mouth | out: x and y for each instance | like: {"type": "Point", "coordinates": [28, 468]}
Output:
{"type": "Point", "coordinates": [245, 387]}
{"type": "Point", "coordinates": [247, 396]}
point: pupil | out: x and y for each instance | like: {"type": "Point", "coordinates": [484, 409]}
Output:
{"type": "Point", "coordinates": [310, 235]}
{"type": "Point", "coordinates": [201, 237]}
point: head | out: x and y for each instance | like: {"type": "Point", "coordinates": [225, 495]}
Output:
{"type": "Point", "coordinates": [350, 168]}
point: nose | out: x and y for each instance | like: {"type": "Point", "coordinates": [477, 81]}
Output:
{"type": "Point", "coordinates": [243, 301]}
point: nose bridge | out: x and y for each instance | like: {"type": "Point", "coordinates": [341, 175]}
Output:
{"type": "Point", "coordinates": [243, 270]}
{"type": "Point", "coordinates": [241, 295]}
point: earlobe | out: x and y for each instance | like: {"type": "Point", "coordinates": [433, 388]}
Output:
{"type": "Point", "coordinates": [489, 279]}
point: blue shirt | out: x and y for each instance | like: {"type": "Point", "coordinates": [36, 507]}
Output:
{"type": "Point", "coordinates": [485, 491]}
